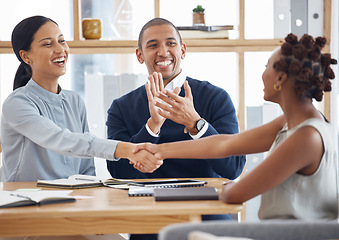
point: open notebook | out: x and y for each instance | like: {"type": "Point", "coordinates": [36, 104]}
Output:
{"type": "Point", "coordinates": [86, 181]}
{"type": "Point", "coordinates": [24, 198]}
{"type": "Point", "coordinates": [83, 181]}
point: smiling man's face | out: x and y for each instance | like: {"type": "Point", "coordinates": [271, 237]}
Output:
{"type": "Point", "coordinates": [162, 51]}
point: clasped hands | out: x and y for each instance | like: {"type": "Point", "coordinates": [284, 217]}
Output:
{"type": "Point", "coordinates": [163, 104]}
{"type": "Point", "coordinates": [149, 158]}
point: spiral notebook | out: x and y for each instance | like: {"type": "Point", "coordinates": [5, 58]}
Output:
{"type": "Point", "coordinates": [146, 188]}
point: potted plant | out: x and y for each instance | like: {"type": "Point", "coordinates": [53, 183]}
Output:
{"type": "Point", "coordinates": [198, 15]}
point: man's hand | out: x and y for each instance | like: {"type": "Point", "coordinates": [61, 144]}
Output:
{"type": "Point", "coordinates": [145, 160]}
{"type": "Point", "coordinates": [151, 148]}
{"type": "Point", "coordinates": [156, 85]}
{"type": "Point", "coordinates": [179, 109]}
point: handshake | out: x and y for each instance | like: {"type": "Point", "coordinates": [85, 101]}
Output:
{"type": "Point", "coordinates": [146, 157]}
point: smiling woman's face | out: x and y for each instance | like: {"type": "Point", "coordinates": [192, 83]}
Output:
{"type": "Point", "coordinates": [48, 54]}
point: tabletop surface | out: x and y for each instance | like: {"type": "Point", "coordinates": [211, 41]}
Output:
{"type": "Point", "coordinates": [106, 206]}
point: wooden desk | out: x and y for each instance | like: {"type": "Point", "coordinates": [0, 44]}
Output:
{"type": "Point", "coordinates": [109, 211]}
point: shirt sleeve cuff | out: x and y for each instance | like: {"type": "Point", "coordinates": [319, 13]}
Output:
{"type": "Point", "coordinates": [104, 148]}
{"type": "Point", "coordinates": [150, 132]}
{"type": "Point", "coordinates": [202, 132]}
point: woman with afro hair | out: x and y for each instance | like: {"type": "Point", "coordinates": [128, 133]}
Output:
{"type": "Point", "coordinates": [298, 179]}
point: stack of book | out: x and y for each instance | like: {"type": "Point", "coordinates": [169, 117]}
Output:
{"type": "Point", "coordinates": [217, 31]}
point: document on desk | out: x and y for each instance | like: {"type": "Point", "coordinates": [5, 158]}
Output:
{"type": "Point", "coordinates": [86, 181]}
{"type": "Point", "coordinates": [24, 198]}
{"type": "Point", "coordinates": [83, 181]}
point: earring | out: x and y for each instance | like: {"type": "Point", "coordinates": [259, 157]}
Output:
{"type": "Point", "coordinates": [277, 87]}
{"type": "Point", "coordinates": [29, 62]}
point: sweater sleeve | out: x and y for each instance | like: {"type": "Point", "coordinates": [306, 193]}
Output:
{"type": "Point", "coordinates": [117, 126]}
{"type": "Point", "coordinates": [120, 127]}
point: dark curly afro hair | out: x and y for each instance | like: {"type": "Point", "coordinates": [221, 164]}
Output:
{"type": "Point", "coordinates": [303, 60]}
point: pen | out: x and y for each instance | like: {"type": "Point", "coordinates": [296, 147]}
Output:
{"type": "Point", "coordinates": [20, 196]}
{"type": "Point", "coordinates": [136, 184]}
{"type": "Point", "coordinates": [84, 179]}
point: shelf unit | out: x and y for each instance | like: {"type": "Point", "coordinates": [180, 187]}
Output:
{"type": "Point", "coordinates": [240, 46]}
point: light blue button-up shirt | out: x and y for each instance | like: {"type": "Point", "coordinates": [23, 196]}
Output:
{"type": "Point", "coordinates": [45, 136]}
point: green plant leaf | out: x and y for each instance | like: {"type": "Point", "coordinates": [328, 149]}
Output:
{"type": "Point", "coordinates": [199, 8]}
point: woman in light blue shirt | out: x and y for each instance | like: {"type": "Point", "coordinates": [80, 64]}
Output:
{"type": "Point", "coordinates": [44, 128]}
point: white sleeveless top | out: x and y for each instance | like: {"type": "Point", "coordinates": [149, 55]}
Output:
{"type": "Point", "coordinates": [306, 197]}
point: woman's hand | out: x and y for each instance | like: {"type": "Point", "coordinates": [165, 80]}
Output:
{"type": "Point", "coordinates": [150, 148]}
{"type": "Point", "coordinates": [143, 160]}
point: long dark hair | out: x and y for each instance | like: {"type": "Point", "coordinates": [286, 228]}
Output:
{"type": "Point", "coordinates": [22, 38]}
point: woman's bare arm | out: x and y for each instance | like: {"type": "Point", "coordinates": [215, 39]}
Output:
{"type": "Point", "coordinates": [301, 152]}
{"type": "Point", "coordinates": [251, 141]}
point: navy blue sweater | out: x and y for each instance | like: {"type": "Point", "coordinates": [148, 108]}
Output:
{"type": "Point", "coordinates": [128, 115]}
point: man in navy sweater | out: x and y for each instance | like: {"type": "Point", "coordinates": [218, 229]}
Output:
{"type": "Point", "coordinates": [203, 110]}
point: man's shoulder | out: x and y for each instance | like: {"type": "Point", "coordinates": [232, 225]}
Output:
{"type": "Point", "coordinates": [203, 85]}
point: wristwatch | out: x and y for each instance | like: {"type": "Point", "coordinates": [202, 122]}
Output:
{"type": "Point", "coordinates": [200, 124]}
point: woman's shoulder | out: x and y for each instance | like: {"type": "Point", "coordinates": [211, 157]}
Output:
{"type": "Point", "coordinates": [70, 93]}
{"type": "Point", "coordinates": [313, 127]}
{"type": "Point", "coordinates": [16, 96]}
{"type": "Point", "coordinates": [317, 123]}
{"type": "Point", "coordinates": [73, 98]}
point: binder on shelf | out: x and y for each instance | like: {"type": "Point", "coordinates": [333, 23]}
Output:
{"type": "Point", "coordinates": [205, 28]}
{"type": "Point", "coordinates": [315, 18]}
{"type": "Point", "coordinates": [282, 18]}
{"type": "Point", "coordinates": [299, 12]}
